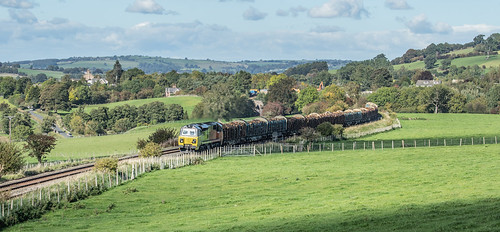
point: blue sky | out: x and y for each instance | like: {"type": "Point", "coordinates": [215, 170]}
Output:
{"type": "Point", "coordinates": [234, 30]}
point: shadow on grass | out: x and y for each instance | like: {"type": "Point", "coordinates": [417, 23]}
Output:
{"type": "Point", "coordinates": [481, 215]}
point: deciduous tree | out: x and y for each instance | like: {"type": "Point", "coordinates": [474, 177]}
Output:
{"type": "Point", "coordinates": [39, 145]}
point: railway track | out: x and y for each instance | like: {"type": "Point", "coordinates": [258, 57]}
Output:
{"type": "Point", "coordinates": [54, 175]}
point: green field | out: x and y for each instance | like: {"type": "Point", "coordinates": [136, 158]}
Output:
{"type": "Point", "coordinates": [187, 102]}
{"type": "Point", "coordinates": [492, 61]}
{"type": "Point", "coordinates": [423, 189]}
{"type": "Point", "coordinates": [410, 66]}
{"type": "Point", "coordinates": [34, 72]}
{"type": "Point", "coordinates": [97, 146]}
{"type": "Point", "coordinates": [442, 126]}
{"type": "Point", "coordinates": [462, 51]}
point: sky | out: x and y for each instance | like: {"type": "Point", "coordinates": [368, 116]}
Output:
{"type": "Point", "coordinates": [235, 30]}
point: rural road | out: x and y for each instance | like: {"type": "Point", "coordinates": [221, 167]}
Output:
{"type": "Point", "coordinates": [57, 128]}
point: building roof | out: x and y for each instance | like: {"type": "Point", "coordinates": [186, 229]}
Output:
{"type": "Point", "coordinates": [427, 83]}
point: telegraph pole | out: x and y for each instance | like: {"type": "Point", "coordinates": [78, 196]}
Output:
{"type": "Point", "coordinates": [10, 127]}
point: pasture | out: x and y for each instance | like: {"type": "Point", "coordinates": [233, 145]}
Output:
{"type": "Point", "coordinates": [34, 72]}
{"type": "Point", "coordinates": [422, 126]}
{"type": "Point", "coordinates": [187, 102]}
{"type": "Point", "coordinates": [440, 188]}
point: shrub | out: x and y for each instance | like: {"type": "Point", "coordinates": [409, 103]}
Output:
{"type": "Point", "coordinates": [141, 143]}
{"type": "Point", "coordinates": [308, 133]}
{"type": "Point", "coordinates": [338, 130]}
{"type": "Point", "coordinates": [11, 159]}
{"type": "Point", "coordinates": [106, 164]}
{"type": "Point", "coordinates": [325, 129]}
{"type": "Point", "coordinates": [151, 149]}
{"type": "Point", "coordinates": [162, 135]}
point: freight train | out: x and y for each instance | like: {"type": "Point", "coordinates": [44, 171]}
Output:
{"type": "Point", "coordinates": [200, 136]}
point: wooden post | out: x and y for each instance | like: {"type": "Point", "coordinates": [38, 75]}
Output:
{"type": "Point", "coordinates": [353, 146]}
{"type": "Point", "coordinates": [281, 146]}
{"type": "Point", "coordinates": [429, 143]}
{"type": "Point", "coordinates": [342, 146]}
{"type": "Point", "coordinates": [382, 144]}
{"type": "Point", "coordinates": [333, 145]}
{"type": "Point", "coordinates": [253, 150]}
{"type": "Point", "coordinates": [373, 145]}
{"type": "Point", "coordinates": [364, 145]}
{"type": "Point", "coordinates": [393, 144]}
{"type": "Point", "coordinates": [496, 140]}
{"type": "Point", "coordinates": [308, 148]}
{"type": "Point", "coordinates": [460, 142]}
{"type": "Point", "coordinates": [445, 142]}
{"type": "Point", "coordinates": [472, 140]}
{"type": "Point", "coordinates": [484, 142]}
{"type": "Point", "coordinates": [415, 143]}
{"type": "Point", "coordinates": [403, 144]}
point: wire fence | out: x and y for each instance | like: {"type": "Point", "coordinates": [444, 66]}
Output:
{"type": "Point", "coordinates": [270, 148]}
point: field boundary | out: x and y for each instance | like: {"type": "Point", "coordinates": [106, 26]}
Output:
{"type": "Point", "coordinates": [270, 148]}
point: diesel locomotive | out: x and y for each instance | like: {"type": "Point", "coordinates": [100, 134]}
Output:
{"type": "Point", "coordinates": [200, 136]}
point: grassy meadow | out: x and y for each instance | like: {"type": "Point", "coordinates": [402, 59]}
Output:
{"type": "Point", "coordinates": [422, 189]}
{"type": "Point", "coordinates": [187, 102]}
{"type": "Point", "coordinates": [34, 72]}
{"type": "Point", "coordinates": [424, 126]}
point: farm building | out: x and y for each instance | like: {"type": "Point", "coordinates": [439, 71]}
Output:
{"type": "Point", "coordinates": [427, 83]}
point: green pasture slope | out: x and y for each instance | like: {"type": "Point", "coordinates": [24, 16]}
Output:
{"type": "Point", "coordinates": [429, 126]}
{"type": "Point", "coordinates": [187, 102]}
{"type": "Point", "coordinates": [422, 189]}
{"type": "Point", "coordinates": [34, 72]}
{"type": "Point", "coordinates": [99, 146]}
{"type": "Point", "coordinates": [492, 61]}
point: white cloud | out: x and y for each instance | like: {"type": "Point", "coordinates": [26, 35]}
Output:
{"type": "Point", "coordinates": [339, 8]}
{"type": "Point", "coordinates": [253, 14]}
{"type": "Point", "coordinates": [476, 28]}
{"type": "Point", "coordinates": [420, 25]}
{"type": "Point", "coordinates": [147, 7]}
{"type": "Point", "coordinates": [294, 11]}
{"type": "Point", "coordinates": [23, 16]}
{"type": "Point", "coordinates": [397, 5]}
{"type": "Point", "coordinates": [326, 29]}
{"type": "Point", "coordinates": [19, 4]}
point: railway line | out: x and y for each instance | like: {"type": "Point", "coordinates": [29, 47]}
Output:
{"type": "Point", "coordinates": [27, 182]}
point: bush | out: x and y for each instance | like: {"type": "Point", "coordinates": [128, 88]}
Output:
{"type": "Point", "coordinates": [338, 130]}
{"type": "Point", "coordinates": [325, 129]}
{"type": "Point", "coordinates": [11, 159]}
{"type": "Point", "coordinates": [151, 149]}
{"type": "Point", "coordinates": [106, 164]}
{"type": "Point", "coordinates": [141, 143]}
{"type": "Point", "coordinates": [308, 133]}
{"type": "Point", "coordinates": [162, 135]}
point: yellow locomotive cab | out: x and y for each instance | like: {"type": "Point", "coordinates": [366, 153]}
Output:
{"type": "Point", "coordinates": [188, 138]}
{"type": "Point", "coordinates": [200, 136]}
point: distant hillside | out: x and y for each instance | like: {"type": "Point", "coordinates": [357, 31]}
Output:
{"type": "Point", "coordinates": [159, 64]}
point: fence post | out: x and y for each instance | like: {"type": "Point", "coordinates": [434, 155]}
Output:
{"type": "Point", "coordinates": [445, 142]}
{"type": "Point", "coordinates": [382, 144]}
{"type": "Point", "coordinates": [460, 142]}
{"type": "Point", "coordinates": [281, 146]}
{"type": "Point", "coordinates": [429, 143]}
{"type": "Point", "coordinates": [342, 146]}
{"type": "Point", "coordinates": [353, 146]}
{"type": "Point", "coordinates": [472, 140]}
{"type": "Point", "coordinates": [393, 144]}
{"type": "Point", "coordinates": [415, 143]}
{"type": "Point", "coordinates": [364, 145]}
{"type": "Point", "coordinates": [484, 142]}
{"type": "Point", "coordinates": [373, 145]}
{"type": "Point", "coordinates": [495, 140]}
{"type": "Point", "coordinates": [403, 144]}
